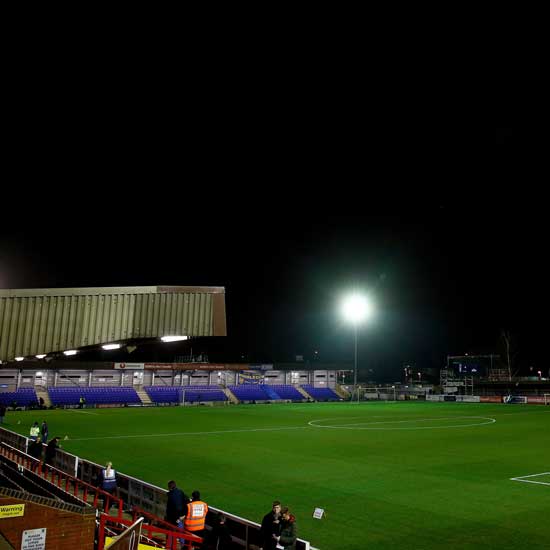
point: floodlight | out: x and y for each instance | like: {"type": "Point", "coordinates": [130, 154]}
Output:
{"type": "Point", "coordinates": [19, 358]}
{"type": "Point", "coordinates": [70, 352]}
{"type": "Point", "coordinates": [173, 338]}
{"type": "Point", "coordinates": [111, 346]}
{"type": "Point", "coordinates": [356, 308]}
{"type": "Point", "coordinates": [40, 356]}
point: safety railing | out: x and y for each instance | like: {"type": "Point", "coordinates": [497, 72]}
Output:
{"type": "Point", "coordinates": [165, 538]}
{"type": "Point", "coordinates": [76, 487]}
{"type": "Point", "coordinates": [137, 512]}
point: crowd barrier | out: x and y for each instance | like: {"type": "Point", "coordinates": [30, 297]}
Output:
{"type": "Point", "coordinates": [148, 497]}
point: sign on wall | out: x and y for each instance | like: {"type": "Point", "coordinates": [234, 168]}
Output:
{"type": "Point", "coordinates": [130, 366]}
{"type": "Point", "coordinates": [34, 539]}
{"type": "Point", "coordinates": [12, 511]}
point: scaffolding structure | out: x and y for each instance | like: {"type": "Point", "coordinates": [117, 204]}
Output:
{"type": "Point", "coordinates": [451, 384]}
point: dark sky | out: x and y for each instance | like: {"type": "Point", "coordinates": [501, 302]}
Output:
{"type": "Point", "coordinates": [287, 212]}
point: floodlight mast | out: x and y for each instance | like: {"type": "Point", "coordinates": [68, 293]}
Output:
{"type": "Point", "coordinates": [356, 308]}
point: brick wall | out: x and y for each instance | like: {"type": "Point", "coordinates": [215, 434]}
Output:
{"type": "Point", "coordinates": [66, 530]}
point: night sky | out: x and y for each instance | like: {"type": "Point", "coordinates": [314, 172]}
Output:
{"type": "Point", "coordinates": [444, 237]}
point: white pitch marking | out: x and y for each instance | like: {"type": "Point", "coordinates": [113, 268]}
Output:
{"type": "Point", "coordinates": [523, 479]}
{"type": "Point", "coordinates": [345, 426]}
{"type": "Point", "coordinates": [84, 412]}
{"type": "Point", "coordinates": [194, 433]}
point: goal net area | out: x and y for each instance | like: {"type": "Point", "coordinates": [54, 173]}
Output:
{"type": "Point", "coordinates": [515, 400]}
{"type": "Point", "coordinates": [390, 393]}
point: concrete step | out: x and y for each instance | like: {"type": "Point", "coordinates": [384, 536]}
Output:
{"type": "Point", "coordinates": [304, 393]}
{"type": "Point", "coordinates": [43, 393]}
{"type": "Point", "coordinates": [144, 397]}
{"type": "Point", "coordinates": [230, 395]}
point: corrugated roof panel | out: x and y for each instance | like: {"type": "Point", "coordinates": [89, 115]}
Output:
{"type": "Point", "coordinates": [54, 320]}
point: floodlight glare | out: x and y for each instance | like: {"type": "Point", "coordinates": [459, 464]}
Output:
{"type": "Point", "coordinates": [19, 358]}
{"type": "Point", "coordinates": [356, 308]}
{"type": "Point", "coordinates": [111, 346]}
{"type": "Point", "coordinates": [173, 338]}
{"type": "Point", "coordinates": [70, 352]}
{"type": "Point", "coordinates": [40, 356]}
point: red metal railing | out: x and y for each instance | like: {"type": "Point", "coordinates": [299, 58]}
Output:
{"type": "Point", "coordinates": [63, 480]}
{"type": "Point", "coordinates": [152, 519]}
{"type": "Point", "coordinates": [171, 536]}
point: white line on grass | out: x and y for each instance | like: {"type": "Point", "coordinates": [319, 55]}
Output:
{"type": "Point", "coordinates": [84, 412]}
{"type": "Point", "coordinates": [193, 433]}
{"type": "Point", "coordinates": [367, 424]}
{"type": "Point", "coordinates": [524, 480]}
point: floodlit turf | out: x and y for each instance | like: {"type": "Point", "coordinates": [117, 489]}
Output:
{"type": "Point", "coordinates": [389, 475]}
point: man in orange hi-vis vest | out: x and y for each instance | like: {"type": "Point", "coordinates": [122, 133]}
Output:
{"type": "Point", "coordinates": [195, 515]}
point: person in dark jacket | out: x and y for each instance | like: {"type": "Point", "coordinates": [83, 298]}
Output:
{"type": "Point", "coordinates": [44, 431]}
{"type": "Point", "coordinates": [271, 527]}
{"type": "Point", "coordinates": [176, 502]}
{"type": "Point", "coordinates": [35, 449]}
{"type": "Point", "coordinates": [220, 538]}
{"type": "Point", "coordinates": [287, 538]}
{"type": "Point", "coordinates": [2, 412]}
{"type": "Point", "coordinates": [49, 455]}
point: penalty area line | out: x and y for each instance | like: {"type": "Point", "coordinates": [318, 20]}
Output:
{"type": "Point", "coordinates": [217, 432]}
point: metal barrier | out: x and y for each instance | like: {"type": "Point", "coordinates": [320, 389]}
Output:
{"type": "Point", "coordinates": [14, 439]}
{"type": "Point", "coordinates": [148, 497]}
{"type": "Point", "coordinates": [63, 480]}
{"type": "Point", "coordinates": [170, 536]}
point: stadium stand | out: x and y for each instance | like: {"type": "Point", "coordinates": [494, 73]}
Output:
{"type": "Point", "coordinates": [23, 397]}
{"type": "Point", "coordinates": [193, 394]}
{"type": "Point", "coordinates": [321, 394]}
{"type": "Point", "coordinates": [287, 391]}
{"type": "Point", "coordinates": [163, 394]}
{"type": "Point", "coordinates": [249, 392]}
{"type": "Point", "coordinates": [93, 396]}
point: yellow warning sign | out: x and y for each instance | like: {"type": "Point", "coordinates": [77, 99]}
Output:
{"type": "Point", "coordinates": [12, 511]}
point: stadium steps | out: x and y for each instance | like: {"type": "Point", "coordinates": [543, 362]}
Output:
{"type": "Point", "coordinates": [144, 397]}
{"type": "Point", "coordinates": [230, 395]}
{"type": "Point", "coordinates": [272, 394]}
{"type": "Point", "coordinates": [43, 393]}
{"type": "Point", "coordinates": [4, 544]}
{"type": "Point", "coordinates": [304, 393]}
{"type": "Point", "coordinates": [341, 391]}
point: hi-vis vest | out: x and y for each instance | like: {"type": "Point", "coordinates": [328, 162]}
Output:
{"type": "Point", "coordinates": [196, 514]}
{"type": "Point", "coordinates": [109, 481]}
{"type": "Point", "coordinates": [35, 431]}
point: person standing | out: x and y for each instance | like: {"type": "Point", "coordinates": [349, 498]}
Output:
{"type": "Point", "coordinates": [176, 502]}
{"type": "Point", "coordinates": [49, 455]}
{"type": "Point", "coordinates": [44, 432]}
{"type": "Point", "coordinates": [287, 538]}
{"type": "Point", "coordinates": [2, 412]}
{"type": "Point", "coordinates": [195, 515]}
{"type": "Point", "coordinates": [35, 431]}
{"type": "Point", "coordinates": [35, 449]}
{"type": "Point", "coordinates": [271, 527]}
{"type": "Point", "coordinates": [220, 538]}
{"type": "Point", "coordinates": [81, 402]}
{"type": "Point", "coordinates": [108, 484]}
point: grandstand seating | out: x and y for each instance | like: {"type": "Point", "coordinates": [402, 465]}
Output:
{"type": "Point", "coordinates": [193, 394]}
{"type": "Point", "coordinates": [249, 392]}
{"type": "Point", "coordinates": [321, 394]}
{"type": "Point", "coordinates": [108, 395]}
{"type": "Point", "coordinates": [287, 391]}
{"type": "Point", "coordinates": [23, 396]}
{"type": "Point", "coordinates": [163, 394]}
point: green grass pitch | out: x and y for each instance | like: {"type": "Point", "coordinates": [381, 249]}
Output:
{"type": "Point", "coordinates": [405, 475]}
